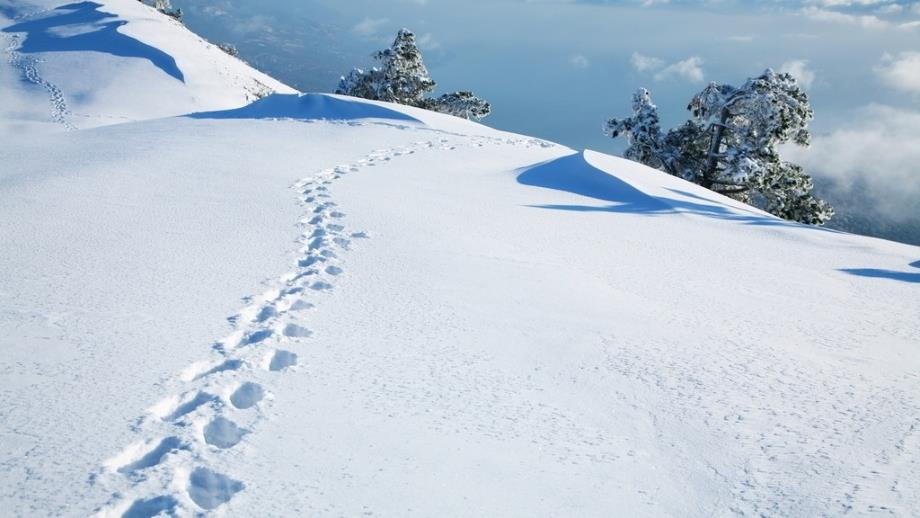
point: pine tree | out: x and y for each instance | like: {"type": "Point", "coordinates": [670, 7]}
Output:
{"type": "Point", "coordinates": [402, 78]}
{"type": "Point", "coordinates": [730, 144]}
{"type": "Point", "coordinates": [461, 104]}
{"type": "Point", "coordinates": [642, 131]}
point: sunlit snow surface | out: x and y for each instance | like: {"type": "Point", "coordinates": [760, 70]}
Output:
{"type": "Point", "coordinates": [318, 306]}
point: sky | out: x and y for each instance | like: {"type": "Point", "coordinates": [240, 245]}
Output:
{"type": "Point", "coordinates": [557, 69]}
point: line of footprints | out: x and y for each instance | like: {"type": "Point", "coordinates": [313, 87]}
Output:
{"type": "Point", "coordinates": [220, 406]}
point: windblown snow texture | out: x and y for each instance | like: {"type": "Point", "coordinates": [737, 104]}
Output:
{"type": "Point", "coordinates": [317, 305]}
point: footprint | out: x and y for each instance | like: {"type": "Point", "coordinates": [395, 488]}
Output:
{"type": "Point", "coordinates": [337, 214]}
{"type": "Point", "coordinates": [321, 286]}
{"type": "Point", "coordinates": [223, 433]}
{"type": "Point", "coordinates": [296, 331]}
{"type": "Point", "coordinates": [282, 360]}
{"type": "Point", "coordinates": [150, 507]}
{"type": "Point", "coordinates": [316, 243]}
{"type": "Point", "coordinates": [300, 305]}
{"type": "Point", "coordinates": [266, 313]}
{"type": "Point", "coordinates": [342, 242]}
{"type": "Point", "coordinates": [308, 261]}
{"type": "Point", "coordinates": [257, 336]}
{"type": "Point", "coordinates": [334, 270]}
{"type": "Point", "coordinates": [209, 489]}
{"type": "Point", "coordinates": [183, 409]}
{"type": "Point", "coordinates": [154, 456]}
{"type": "Point", "coordinates": [200, 370]}
{"type": "Point", "coordinates": [360, 235]}
{"type": "Point", "coordinates": [247, 395]}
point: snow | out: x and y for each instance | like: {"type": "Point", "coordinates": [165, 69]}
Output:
{"type": "Point", "coordinates": [316, 305]}
{"type": "Point", "coordinates": [100, 69]}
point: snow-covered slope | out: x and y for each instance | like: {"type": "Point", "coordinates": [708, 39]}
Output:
{"type": "Point", "coordinates": [321, 306]}
{"type": "Point", "coordinates": [107, 62]}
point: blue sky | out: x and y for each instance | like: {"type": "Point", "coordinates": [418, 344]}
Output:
{"type": "Point", "coordinates": [557, 69]}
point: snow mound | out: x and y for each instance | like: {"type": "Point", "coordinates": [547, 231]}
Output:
{"type": "Point", "coordinates": [310, 106]}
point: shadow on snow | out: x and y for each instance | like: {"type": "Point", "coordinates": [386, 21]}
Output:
{"type": "Point", "coordinates": [83, 27]}
{"type": "Point", "coordinates": [912, 277]}
{"type": "Point", "coordinates": [307, 107]}
{"type": "Point", "coordinates": [572, 173]}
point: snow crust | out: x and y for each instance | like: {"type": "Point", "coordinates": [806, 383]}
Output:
{"type": "Point", "coordinates": [315, 305]}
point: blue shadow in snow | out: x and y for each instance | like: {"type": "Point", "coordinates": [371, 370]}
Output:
{"type": "Point", "coordinates": [913, 277]}
{"type": "Point", "coordinates": [307, 107]}
{"type": "Point", "coordinates": [83, 27]}
{"type": "Point", "coordinates": [572, 173]}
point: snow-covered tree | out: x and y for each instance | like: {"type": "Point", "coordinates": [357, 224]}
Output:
{"type": "Point", "coordinates": [402, 78]}
{"type": "Point", "coordinates": [165, 7]}
{"type": "Point", "coordinates": [731, 144]}
{"type": "Point", "coordinates": [642, 131]}
{"type": "Point", "coordinates": [460, 104]}
{"type": "Point", "coordinates": [229, 48]}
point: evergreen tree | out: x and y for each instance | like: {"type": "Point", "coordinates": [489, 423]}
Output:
{"type": "Point", "coordinates": [642, 131]}
{"type": "Point", "coordinates": [402, 78]}
{"type": "Point", "coordinates": [460, 104]}
{"type": "Point", "coordinates": [730, 144]}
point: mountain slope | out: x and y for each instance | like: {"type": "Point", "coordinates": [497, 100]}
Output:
{"type": "Point", "coordinates": [97, 63]}
{"type": "Point", "coordinates": [316, 305]}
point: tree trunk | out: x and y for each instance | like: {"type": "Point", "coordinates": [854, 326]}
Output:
{"type": "Point", "coordinates": [712, 159]}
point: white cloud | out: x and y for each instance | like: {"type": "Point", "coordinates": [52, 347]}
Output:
{"type": "Point", "coordinates": [643, 63]}
{"type": "Point", "coordinates": [880, 147]}
{"type": "Point", "coordinates": [798, 68]}
{"type": "Point", "coordinates": [890, 9]}
{"type": "Point", "coordinates": [867, 21]}
{"type": "Point", "coordinates": [901, 72]}
{"type": "Point", "coordinates": [579, 61]}
{"type": "Point", "coordinates": [369, 26]}
{"type": "Point", "coordinates": [741, 39]}
{"type": "Point", "coordinates": [427, 42]}
{"type": "Point", "coordinates": [689, 69]}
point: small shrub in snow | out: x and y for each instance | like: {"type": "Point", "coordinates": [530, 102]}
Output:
{"type": "Point", "coordinates": [229, 48]}
{"type": "Point", "coordinates": [730, 144]}
{"type": "Point", "coordinates": [165, 7]}
{"type": "Point", "coordinates": [403, 78]}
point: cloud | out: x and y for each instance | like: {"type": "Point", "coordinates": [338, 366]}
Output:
{"type": "Point", "coordinates": [901, 72]}
{"type": "Point", "coordinates": [798, 68]}
{"type": "Point", "coordinates": [878, 151]}
{"type": "Point", "coordinates": [427, 42]}
{"type": "Point", "coordinates": [369, 26]}
{"type": "Point", "coordinates": [644, 63]}
{"type": "Point", "coordinates": [579, 61]}
{"type": "Point", "coordinates": [867, 21]}
{"type": "Point", "coordinates": [740, 39]}
{"type": "Point", "coordinates": [689, 69]}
